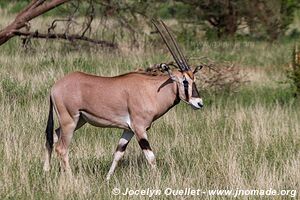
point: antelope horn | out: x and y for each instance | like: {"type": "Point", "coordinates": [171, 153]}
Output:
{"type": "Point", "coordinates": [177, 60]}
{"type": "Point", "coordinates": [182, 58]}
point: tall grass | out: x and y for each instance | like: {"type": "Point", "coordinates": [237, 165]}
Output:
{"type": "Point", "coordinates": [247, 140]}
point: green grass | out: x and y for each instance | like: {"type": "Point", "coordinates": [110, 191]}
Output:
{"type": "Point", "coordinates": [248, 140]}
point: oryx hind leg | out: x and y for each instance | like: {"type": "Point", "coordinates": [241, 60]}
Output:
{"type": "Point", "coordinates": [123, 142]}
{"type": "Point", "coordinates": [49, 138]}
{"type": "Point", "coordinates": [56, 135]}
{"type": "Point", "coordinates": [80, 123]}
{"type": "Point", "coordinates": [48, 155]}
{"type": "Point", "coordinates": [49, 149]}
{"type": "Point", "coordinates": [65, 132]}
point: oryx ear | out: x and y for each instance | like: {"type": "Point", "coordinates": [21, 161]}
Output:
{"type": "Point", "coordinates": [166, 68]}
{"type": "Point", "coordinates": [197, 69]}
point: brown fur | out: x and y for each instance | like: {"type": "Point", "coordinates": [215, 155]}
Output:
{"type": "Point", "coordinates": [129, 101]}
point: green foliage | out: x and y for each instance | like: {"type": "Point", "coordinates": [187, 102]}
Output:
{"type": "Point", "coordinates": [219, 19]}
{"type": "Point", "coordinates": [222, 19]}
{"type": "Point", "coordinates": [180, 11]}
{"type": "Point", "coordinates": [17, 7]}
{"type": "Point", "coordinates": [288, 9]}
{"type": "Point", "coordinates": [14, 91]}
{"type": "Point", "coordinates": [13, 6]}
{"type": "Point", "coordinates": [294, 73]}
{"type": "Point", "coordinates": [273, 19]}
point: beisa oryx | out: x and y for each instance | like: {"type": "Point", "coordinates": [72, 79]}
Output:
{"type": "Point", "coordinates": [129, 101]}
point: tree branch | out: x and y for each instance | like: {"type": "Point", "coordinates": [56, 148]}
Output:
{"type": "Point", "coordinates": [33, 10]}
{"type": "Point", "coordinates": [64, 36]}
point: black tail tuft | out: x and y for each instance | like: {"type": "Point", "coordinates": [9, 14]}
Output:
{"type": "Point", "coordinates": [50, 124]}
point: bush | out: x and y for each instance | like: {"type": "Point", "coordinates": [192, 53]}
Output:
{"type": "Point", "coordinates": [294, 73]}
{"type": "Point", "coordinates": [222, 77]}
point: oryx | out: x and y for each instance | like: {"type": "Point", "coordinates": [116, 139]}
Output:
{"type": "Point", "coordinates": [129, 101]}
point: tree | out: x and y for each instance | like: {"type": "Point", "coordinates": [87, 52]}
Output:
{"type": "Point", "coordinates": [37, 8]}
{"type": "Point", "coordinates": [223, 16]}
{"type": "Point", "coordinates": [265, 18]}
{"type": "Point", "coordinates": [270, 18]}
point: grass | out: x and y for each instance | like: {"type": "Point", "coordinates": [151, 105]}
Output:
{"type": "Point", "coordinates": [247, 140]}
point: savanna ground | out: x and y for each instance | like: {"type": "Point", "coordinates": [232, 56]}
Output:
{"type": "Point", "coordinates": [247, 140]}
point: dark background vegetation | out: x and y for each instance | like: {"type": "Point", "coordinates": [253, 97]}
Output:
{"type": "Point", "coordinates": [219, 19]}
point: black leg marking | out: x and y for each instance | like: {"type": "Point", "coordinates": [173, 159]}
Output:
{"type": "Point", "coordinates": [144, 144]}
{"type": "Point", "coordinates": [122, 148]}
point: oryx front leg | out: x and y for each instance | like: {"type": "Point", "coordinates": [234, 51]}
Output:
{"type": "Point", "coordinates": [123, 142]}
{"type": "Point", "coordinates": [145, 146]}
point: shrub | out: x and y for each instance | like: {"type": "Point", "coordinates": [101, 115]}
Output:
{"type": "Point", "coordinates": [294, 73]}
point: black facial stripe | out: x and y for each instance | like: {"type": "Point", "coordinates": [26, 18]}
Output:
{"type": "Point", "coordinates": [144, 144]}
{"type": "Point", "coordinates": [186, 89]}
{"type": "Point", "coordinates": [122, 148]}
{"type": "Point", "coordinates": [195, 92]}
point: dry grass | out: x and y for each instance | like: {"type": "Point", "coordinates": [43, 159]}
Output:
{"type": "Point", "coordinates": [249, 140]}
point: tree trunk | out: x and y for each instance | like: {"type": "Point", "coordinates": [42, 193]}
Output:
{"type": "Point", "coordinates": [228, 21]}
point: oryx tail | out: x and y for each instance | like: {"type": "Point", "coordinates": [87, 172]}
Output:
{"type": "Point", "coordinates": [50, 124]}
